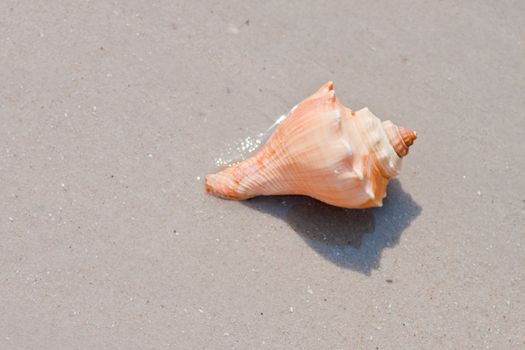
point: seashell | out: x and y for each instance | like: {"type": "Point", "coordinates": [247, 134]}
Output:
{"type": "Point", "coordinates": [322, 150]}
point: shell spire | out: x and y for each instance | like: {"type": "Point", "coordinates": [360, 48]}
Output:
{"type": "Point", "coordinates": [400, 138]}
{"type": "Point", "coordinates": [323, 150]}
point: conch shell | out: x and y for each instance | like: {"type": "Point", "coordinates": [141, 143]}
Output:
{"type": "Point", "coordinates": [322, 150]}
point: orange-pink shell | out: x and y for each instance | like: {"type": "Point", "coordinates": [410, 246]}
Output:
{"type": "Point", "coordinates": [323, 150]}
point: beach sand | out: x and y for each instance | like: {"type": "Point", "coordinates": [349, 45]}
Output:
{"type": "Point", "coordinates": [113, 112]}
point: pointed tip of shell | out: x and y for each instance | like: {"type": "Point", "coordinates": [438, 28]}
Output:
{"type": "Point", "coordinates": [400, 138]}
{"type": "Point", "coordinates": [408, 136]}
{"type": "Point", "coordinates": [222, 185]}
{"type": "Point", "coordinates": [214, 186]}
{"type": "Point", "coordinates": [207, 184]}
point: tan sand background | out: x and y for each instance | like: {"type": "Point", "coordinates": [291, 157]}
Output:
{"type": "Point", "coordinates": [112, 113]}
